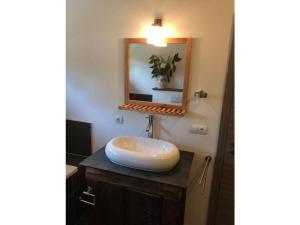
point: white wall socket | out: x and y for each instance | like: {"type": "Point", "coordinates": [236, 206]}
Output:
{"type": "Point", "coordinates": [199, 129]}
{"type": "Point", "coordinates": [119, 119]}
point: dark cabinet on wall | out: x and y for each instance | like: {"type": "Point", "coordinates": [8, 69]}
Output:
{"type": "Point", "coordinates": [126, 198]}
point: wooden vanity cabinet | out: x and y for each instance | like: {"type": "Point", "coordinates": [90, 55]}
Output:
{"type": "Point", "coordinates": [118, 195]}
{"type": "Point", "coordinates": [125, 200]}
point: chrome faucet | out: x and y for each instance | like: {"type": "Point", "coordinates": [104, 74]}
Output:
{"type": "Point", "coordinates": [149, 129]}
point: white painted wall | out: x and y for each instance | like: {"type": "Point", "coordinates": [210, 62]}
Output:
{"type": "Point", "coordinates": [95, 73]}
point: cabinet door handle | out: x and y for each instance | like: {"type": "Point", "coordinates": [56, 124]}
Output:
{"type": "Point", "coordinates": [86, 202]}
{"type": "Point", "coordinates": [88, 193]}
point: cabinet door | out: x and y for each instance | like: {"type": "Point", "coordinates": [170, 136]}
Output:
{"type": "Point", "coordinates": [142, 208]}
{"type": "Point", "coordinates": [108, 209]}
{"type": "Point", "coordinates": [173, 212]}
{"type": "Point", "coordinates": [225, 204]}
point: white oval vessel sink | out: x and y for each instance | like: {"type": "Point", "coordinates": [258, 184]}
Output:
{"type": "Point", "coordinates": [142, 153]}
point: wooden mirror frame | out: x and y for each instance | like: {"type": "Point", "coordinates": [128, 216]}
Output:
{"type": "Point", "coordinates": [159, 108]}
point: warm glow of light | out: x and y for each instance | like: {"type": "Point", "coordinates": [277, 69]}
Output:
{"type": "Point", "coordinates": [171, 31]}
{"type": "Point", "coordinates": [156, 35]}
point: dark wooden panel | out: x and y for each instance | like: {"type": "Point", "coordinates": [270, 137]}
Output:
{"type": "Point", "coordinates": [229, 143]}
{"type": "Point", "coordinates": [173, 212]}
{"type": "Point", "coordinates": [70, 210]}
{"type": "Point", "coordinates": [78, 138]}
{"type": "Point", "coordinates": [143, 202]}
{"type": "Point", "coordinates": [167, 191]}
{"type": "Point", "coordinates": [74, 187]}
{"type": "Point", "coordinates": [74, 160]}
{"type": "Point", "coordinates": [225, 208]}
{"type": "Point", "coordinates": [109, 205]}
{"type": "Point", "coordinates": [221, 207]}
{"type": "Point", "coordinates": [142, 208]}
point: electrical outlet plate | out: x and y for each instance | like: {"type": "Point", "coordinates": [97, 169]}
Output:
{"type": "Point", "coordinates": [199, 129]}
{"type": "Point", "coordinates": [119, 119]}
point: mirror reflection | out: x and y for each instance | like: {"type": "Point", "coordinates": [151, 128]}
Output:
{"type": "Point", "coordinates": [156, 74]}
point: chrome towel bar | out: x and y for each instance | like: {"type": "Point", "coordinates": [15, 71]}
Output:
{"type": "Point", "coordinates": [202, 180]}
{"type": "Point", "coordinates": [88, 193]}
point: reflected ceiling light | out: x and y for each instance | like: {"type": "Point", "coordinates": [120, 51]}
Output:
{"type": "Point", "coordinates": [156, 34]}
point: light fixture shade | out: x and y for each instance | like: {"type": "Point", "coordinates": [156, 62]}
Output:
{"type": "Point", "coordinates": [156, 35]}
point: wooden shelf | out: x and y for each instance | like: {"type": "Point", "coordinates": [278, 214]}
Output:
{"type": "Point", "coordinates": [168, 89]}
{"type": "Point", "coordinates": [153, 109]}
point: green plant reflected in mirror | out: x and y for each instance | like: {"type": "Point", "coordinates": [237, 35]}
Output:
{"type": "Point", "coordinates": [163, 67]}
{"type": "Point", "coordinates": [157, 75]}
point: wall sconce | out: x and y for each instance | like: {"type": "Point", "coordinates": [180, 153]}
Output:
{"type": "Point", "coordinates": [156, 35]}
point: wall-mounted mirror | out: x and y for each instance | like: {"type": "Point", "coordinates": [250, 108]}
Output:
{"type": "Point", "coordinates": [157, 77]}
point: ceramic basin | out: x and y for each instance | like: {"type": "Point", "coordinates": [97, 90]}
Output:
{"type": "Point", "coordinates": [142, 153]}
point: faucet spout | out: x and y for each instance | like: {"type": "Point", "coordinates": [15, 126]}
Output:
{"type": "Point", "coordinates": [149, 128]}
